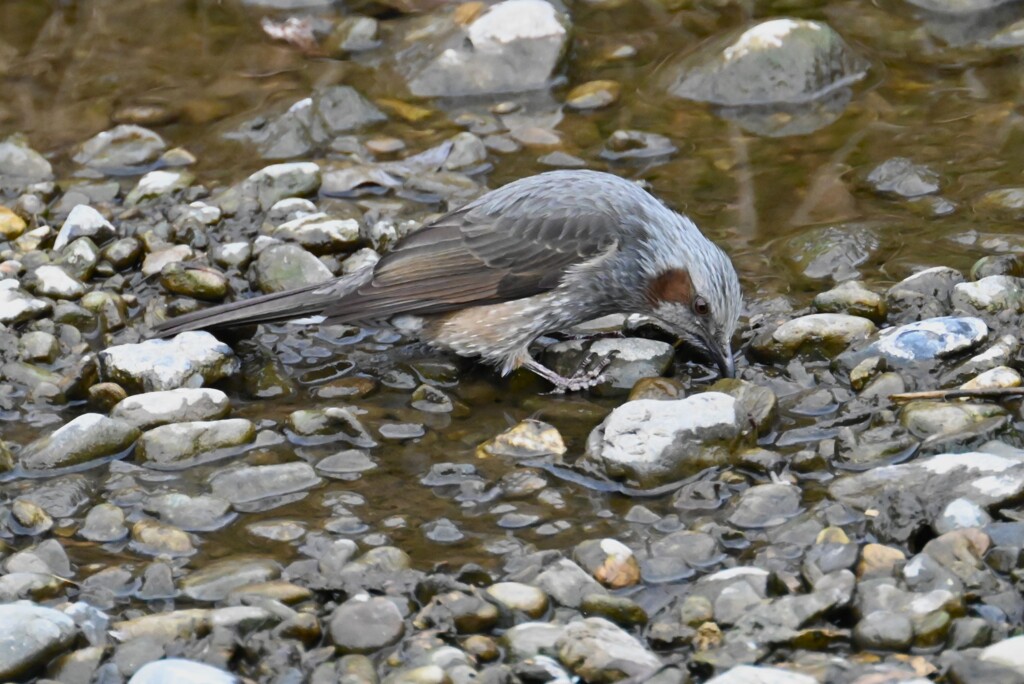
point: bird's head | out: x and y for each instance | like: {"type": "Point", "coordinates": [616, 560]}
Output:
{"type": "Point", "coordinates": [700, 301]}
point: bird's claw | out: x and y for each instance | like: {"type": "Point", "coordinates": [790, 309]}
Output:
{"type": "Point", "coordinates": [588, 374]}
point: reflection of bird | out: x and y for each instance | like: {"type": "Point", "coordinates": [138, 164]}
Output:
{"type": "Point", "coordinates": [538, 255]}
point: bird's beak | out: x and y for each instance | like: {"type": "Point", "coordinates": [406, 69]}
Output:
{"type": "Point", "coordinates": [723, 357]}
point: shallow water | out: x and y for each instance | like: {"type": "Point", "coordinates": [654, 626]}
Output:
{"type": "Point", "coordinates": [199, 69]}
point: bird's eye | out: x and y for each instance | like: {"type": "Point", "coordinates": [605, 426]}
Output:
{"type": "Point", "coordinates": [701, 306]}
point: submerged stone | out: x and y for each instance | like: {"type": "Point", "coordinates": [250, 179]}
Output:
{"type": "Point", "coordinates": [513, 46]}
{"type": "Point", "coordinates": [121, 149]}
{"type": "Point", "coordinates": [776, 61]}
{"type": "Point", "coordinates": [902, 177]}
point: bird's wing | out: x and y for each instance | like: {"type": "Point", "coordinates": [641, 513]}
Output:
{"type": "Point", "coordinates": [483, 253]}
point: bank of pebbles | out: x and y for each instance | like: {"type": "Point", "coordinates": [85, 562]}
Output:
{"type": "Point", "coordinates": [797, 525]}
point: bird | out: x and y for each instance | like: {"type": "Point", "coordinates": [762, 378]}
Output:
{"type": "Point", "coordinates": [533, 257]}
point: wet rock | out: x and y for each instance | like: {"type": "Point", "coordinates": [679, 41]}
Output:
{"type": "Point", "coordinates": [766, 505]}
{"type": "Point", "coordinates": [55, 282]}
{"type": "Point", "coordinates": [961, 514]}
{"type": "Point", "coordinates": [748, 674]}
{"type": "Point", "coordinates": [274, 183]}
{"type": "Point", "coordinates": [659, 388]}
{"type": "Point", "coordinates": [443, 531]}
{"type": "Point", "coordinates": [826, 332]}
{"type": "Point", "coordinates": [458, 612]}
{"type": "Point", "coordinates": [84, 221]}
{"type": "Point", "coordinates": [191, 513]}
{"type": "Point", "coordinates": [38, 346]}
{"type": "Point", "coordinates": [340, 108]}
{"type": "Point", "coordinates": [11, 225]}
{"type": "Point", "coordinates": [431, 400]}
{"type": "Point", "coordinates": [346, 464]}
{"type": "Point", "coordinates": [528, 439]}
{"type": "Point", "coordinates": [632, 358]}
{"type": "Point", "coordinates": [833, 251]}
{"type": "Point", "coordinates": [363, 624]}
{"type": "Point", "coordinates": [156, 260]}
{"type": "Point", "coordinates": [926, 419]}
{"type": "Point", "coordinates": [989, 478]}
{"type": "Point", "coordinates": [20, 165]}
{"type": "Point", "coordinates": [776, 61]}
{"type": "Point", "coordinates": [152, 409]}
{"type": "Point", "coordinates": [1008, 652]}
{"type": "Point", "coordinates": [328, 425]}
{"type": "Point", "coordinates": [852, 298]}
{"type": "Point", "coordinates": [320, 234]}
{"type": "Point", "coordinates": [926, 294]}
{"type": "Point", "coordinates": [244, 485]}
{"type": "Point", "coordinates": [17, 306]}
{"type": "Point", "coordinates": [600, 651]}
{"type": "Point", "coordinates": [157, 539]}
{"type": "Point", "coordinates": [215, 581]}
{"type": "Point", "coordinates": [110, 309]}
{"type": "Point", "coordinates": [468, 151]}
{"type": "Point", "coordinates": [626, 145]}
{"type": "Point", "coordinates": [997, 354]}
{"type": "Point", "coordinates": [650, 442]}
{"type": "Point", "coordinates": [199, 283]}
{"type": "Point", "coordinates": [513, 46]}
{"type": "Point", "coordinates": [567, 583]}
{"type": "Point", "coordinates": [993, 294]}
{"type": "Point", "coordinates": [995, 378]}
{"type": "Point", "coordinates": [997, 264]}
{"type": "Point", "coordinates": [165, 627]}
{"type": "Point", "coordinates": [593, 95]}
{"type": "Point", "coordinates": [286, 267]}
{"type": "Point", "coordinates": [186, 360]}
{"type": "Point", "coordinates": [1005, 203]}
{"type": "Point", "coordinates": [529, 639]}
{"type": "Point", "coordinates": [28, 518]}
{"type": "Point", "coordinates": [232, 254]}
{"type": "Point", "coordinates": [968, 633]}
{"type": "Point", "coordinates": [104, 523]}
{"type": "Point", "coordinates": [927, 340]}
{"type": "Point", "coordinates": [45, 557]}
{"type": "Point", "coordinates": [355, 34]}
{"type": "Point", "coordinates": [121, 149]}
{"type": "Point", "coordinates": [609, 561]}
{"type": "Point", "coordinates": [157, 184]}
{"type": "Point", "coordinates": [80, 258]}
{"type": "Point", "coordinates": [178, 443]}
{"type": "Point", "coordinates": [884, 631]}
{"type": "Point", "coordinates": [30, 636]}
{"type": "Point", "coordinates": [171, 670]}
{"type": "Point", "coordinates": [901, 177]}
{"type": "Point", "coordinates": [757, 404]}
{"type": "Point", "coordinates": [528, 600]}
{"type": "Point", "coordinates": [86, 439]}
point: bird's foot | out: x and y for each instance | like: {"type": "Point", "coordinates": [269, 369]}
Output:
{"type": "Point", "coordinates": [588, 374]}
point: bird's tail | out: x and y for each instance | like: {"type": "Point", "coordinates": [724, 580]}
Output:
{"type": "Point", "coordinates": [276, 307]}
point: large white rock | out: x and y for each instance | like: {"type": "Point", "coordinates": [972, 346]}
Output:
{"type": "Point", "coordinates": [186, 360]}
{"type": "Point", "coordinates": [649, 441]}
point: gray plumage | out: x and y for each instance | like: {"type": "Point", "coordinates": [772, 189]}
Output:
{"type": "Point", "coordinates": [534, 256]}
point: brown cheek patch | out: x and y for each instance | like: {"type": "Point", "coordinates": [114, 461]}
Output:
{"type": "Point", "coordinates": [671, 286]}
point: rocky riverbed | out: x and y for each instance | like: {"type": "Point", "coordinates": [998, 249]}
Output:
{"type": "Point", "coordinates": [342, 504]}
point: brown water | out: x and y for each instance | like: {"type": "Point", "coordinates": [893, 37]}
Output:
{"type": "Point", "coordinates": [71, 69]}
